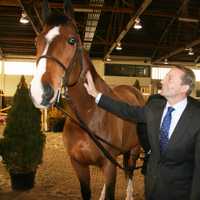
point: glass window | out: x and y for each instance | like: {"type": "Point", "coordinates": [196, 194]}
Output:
{"type": "Point", "coordinates": [19, 68]}
{"type": "Point", "coordinates": [127, 70]}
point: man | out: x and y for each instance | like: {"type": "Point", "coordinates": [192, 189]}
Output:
{"type": "Point", "coordinates": [173, 171]}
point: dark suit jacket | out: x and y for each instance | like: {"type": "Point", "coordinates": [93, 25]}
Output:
{"type": "Point", "coordinates": [174, 175]}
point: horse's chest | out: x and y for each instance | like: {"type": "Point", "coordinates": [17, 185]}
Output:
{"type": "Point", "coordinates": [85, 152]}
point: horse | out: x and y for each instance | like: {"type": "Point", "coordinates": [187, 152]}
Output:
{"type": "Point", "coordinates": [62, 64]}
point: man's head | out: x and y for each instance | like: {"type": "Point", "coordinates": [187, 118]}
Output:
{"type": "Point", "coordinates": [178, 83]}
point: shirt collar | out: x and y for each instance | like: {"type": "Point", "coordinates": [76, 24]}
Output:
{"type": "Point", "coordinates": [181, 104]}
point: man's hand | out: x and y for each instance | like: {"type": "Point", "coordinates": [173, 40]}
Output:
{"type": "Point", "coordinates": [89, 85]}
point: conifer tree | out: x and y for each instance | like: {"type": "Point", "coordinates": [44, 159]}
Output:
{"type": "Point", "coordinates": [22, 145]}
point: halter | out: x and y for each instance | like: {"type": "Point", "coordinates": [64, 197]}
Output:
{"type": "Point", "coordinates": [66, 70]}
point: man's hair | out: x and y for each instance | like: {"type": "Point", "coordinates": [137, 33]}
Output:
{"type": "Point", "coordinates": [188, 78]}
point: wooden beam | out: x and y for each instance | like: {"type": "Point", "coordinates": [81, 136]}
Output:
{"type": "Point", "coordinates": [9, 3]}
{"type": "Point", "coordinates": [182, 7]}
{"type": "Point", "coordinates": [178, 50]}
{"type": "Point", "coordinates": [130, 24]}
{"type": "Point", "coordinates": [33, 17]}
{"type": "Point", "coordinates": [1, 53]}
{"type": "Point", "coordinates": [89, 8]}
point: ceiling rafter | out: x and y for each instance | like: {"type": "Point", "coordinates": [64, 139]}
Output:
{"type": "Point", "coordinates": [182, 7]}
{"type": "Point", "coordinates": [130, 24]}
{"type": "Point", "coordinates": [91, 8]}
{"type": "Point", "coordinates": [33, 16]}
{"type": "Point", "coordinates": [178, 50]}
{"type": "Point", "coordinates": [1, 53]}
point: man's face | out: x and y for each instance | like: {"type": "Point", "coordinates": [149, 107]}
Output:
{"type": "Point", "coordinates": [172, 84]}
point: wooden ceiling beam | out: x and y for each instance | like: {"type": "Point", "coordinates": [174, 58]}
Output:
{"type": "Point", "coordinates": [1, 53]}
{"type": "Point", "coordinates": [9, 3]}
{"type": "Point", "coordinates": [33, 16]}
{"type": "Point", "coordinates": [182, 7]}
{"type": "Point", "coordinates": [88, 8]}
{"type": "Point", "coordinates": [178, 50]}
{"type": "Point", "coordinates": [130, 24]}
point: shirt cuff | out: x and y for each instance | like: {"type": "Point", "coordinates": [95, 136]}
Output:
{"type": "Point", "coordinates": [98, 97]}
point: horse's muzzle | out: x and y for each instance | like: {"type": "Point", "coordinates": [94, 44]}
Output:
{"type": "Point", "coordinates": [47, 95]}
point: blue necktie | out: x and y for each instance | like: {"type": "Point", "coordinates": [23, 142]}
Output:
{"type": "Point", "coordinates": [164, 130]}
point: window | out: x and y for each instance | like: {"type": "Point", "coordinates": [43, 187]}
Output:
{"type": "Point", "coordinates": [127, 70]}
{"type": "Point", "coordinates": [19, 68]}
{"type": "Point", "coordinates": [159, 73]}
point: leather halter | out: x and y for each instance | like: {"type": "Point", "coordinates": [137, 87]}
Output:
{"type": "Point", "coordinates": [66, 70]}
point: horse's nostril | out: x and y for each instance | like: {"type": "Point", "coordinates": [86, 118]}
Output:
{"type": "Point", "coordinates": [47, 95]}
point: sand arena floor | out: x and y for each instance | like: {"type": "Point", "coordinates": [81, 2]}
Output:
{"type": "Point", "coordinates": [56, 180]}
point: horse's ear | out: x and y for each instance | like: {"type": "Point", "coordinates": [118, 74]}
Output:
{"type": "Point", "coordinates": [45, 10]}
{"type": "Point", "coordinates": [68, 9]}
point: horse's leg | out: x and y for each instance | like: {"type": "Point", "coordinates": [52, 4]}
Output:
{"type": "Point", "coordinates": [130, 159]}
{"type": "Point", "coordinates": [103, 193]}
{"type": "Point", "coordinates": [128, 164]}
{"type": "Point", "coordinates": [109, 171]}
{"type": "Point", "coordinates": [83, 174]}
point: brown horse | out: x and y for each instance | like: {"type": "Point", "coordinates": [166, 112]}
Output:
{"type": "Point", "coordinates": [62, 61]}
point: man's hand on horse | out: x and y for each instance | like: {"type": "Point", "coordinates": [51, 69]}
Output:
{"type": "Point", "coordinates": [89, 85]}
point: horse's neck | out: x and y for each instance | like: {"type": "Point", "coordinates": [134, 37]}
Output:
{"type": "Point", "coordinates": [81, 101]}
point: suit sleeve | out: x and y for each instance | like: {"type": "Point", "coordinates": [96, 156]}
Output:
{"type": "Point", "coordinates": [195, 192]}
{"type": "Point", "coordinates": [122, 109]}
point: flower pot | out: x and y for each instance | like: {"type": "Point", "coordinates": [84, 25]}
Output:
{"type": "Point", "coordinates": [22, 181]}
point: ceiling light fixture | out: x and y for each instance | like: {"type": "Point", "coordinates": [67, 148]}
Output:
{"type": "Point", "coordinates": [166, 61]}
{"type": "Point", "coordinates": [119, 46]}
{"type": "Point", "coordinates": [108, 59]}
{"type": "Point", "coordinates": [190, 52]}
{"type": "Point", "coordinates": [137, 24]}
{"type": "Point", "coordinates": [24, 18]}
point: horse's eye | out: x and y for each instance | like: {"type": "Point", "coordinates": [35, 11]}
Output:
{"type": "Point", "coordinates": [72, 41]}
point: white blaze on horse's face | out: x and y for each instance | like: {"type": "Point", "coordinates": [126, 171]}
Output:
{"type": "Point", "coordinates": [36, 88]}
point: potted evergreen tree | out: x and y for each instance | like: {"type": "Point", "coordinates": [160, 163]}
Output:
{"type": "Point", "coordinates": [23, 141]}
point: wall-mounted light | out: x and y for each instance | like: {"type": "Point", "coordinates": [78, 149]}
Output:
{"type": "Point", "coordinates": [137, 24]}
{"type": "Point", "coordinates": [119, 46]}
{"type": "Point", "coordinates": [24, 18]}
{"type": "Point", "coordinates": [166, 61]}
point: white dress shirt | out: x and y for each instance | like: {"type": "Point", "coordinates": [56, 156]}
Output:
{"type": "Point", "coordinates": [98, 97]}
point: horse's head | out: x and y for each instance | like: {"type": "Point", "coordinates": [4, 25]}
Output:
{"type": "Point", "coordinates": [58, 58]}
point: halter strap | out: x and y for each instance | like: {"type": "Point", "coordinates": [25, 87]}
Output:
{"type": "Point", "coordinates": [66, 70]}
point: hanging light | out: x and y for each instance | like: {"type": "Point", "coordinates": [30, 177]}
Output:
{"type": "Point", "coordinates": [137, 24]}
{"type": "Point", "coordinates": [166, 61]}
{"type": "Point", "coordinates": [108, 59]}
{"type": "Point", "coordinates": [119, 46]}
{"type": "Point", "coordinates": [190, 52]}
{"type": "Point", "coordinates": [24, 18]}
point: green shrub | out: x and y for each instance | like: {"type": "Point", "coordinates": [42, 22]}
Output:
{"type": "Point", "coordinates": [23, 142]}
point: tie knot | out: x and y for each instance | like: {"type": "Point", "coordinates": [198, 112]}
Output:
{"type": "Point", "coordinates": [170, 109]}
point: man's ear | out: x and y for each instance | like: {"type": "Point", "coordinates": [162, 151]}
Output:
{"type": "Point", "coordinates": [185, 88]}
